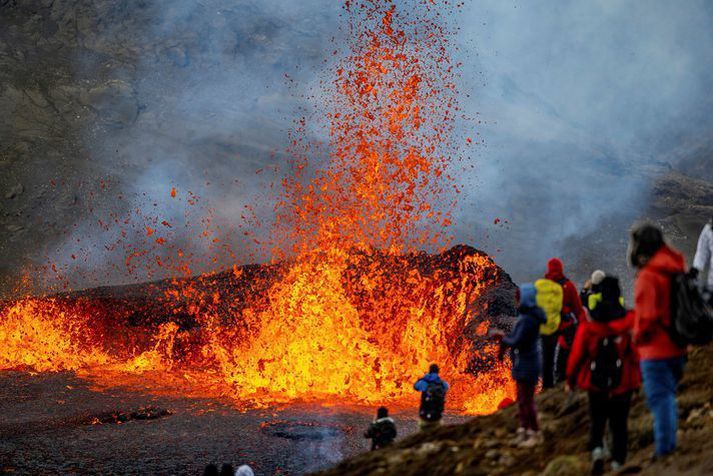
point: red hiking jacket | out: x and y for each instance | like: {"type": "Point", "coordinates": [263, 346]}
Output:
{"type": "Point", "coordinates": [584, 350]}
{"type": "Point", "coordinates": [652, 303]}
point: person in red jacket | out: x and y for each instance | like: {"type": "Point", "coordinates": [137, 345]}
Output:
{"type": "Point", "coordinates": [605, 363]}
{"type": "Point", "coordinates": [572, 313]}
{"type": "Point", "coordinates": [662, 360]}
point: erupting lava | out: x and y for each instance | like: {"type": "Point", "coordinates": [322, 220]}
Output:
{"type": "Point", "coordinates": [351, 312]}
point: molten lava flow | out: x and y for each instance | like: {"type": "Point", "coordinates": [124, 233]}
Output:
{"type": "Point", "coordinates": [354, 327]}
{"type": "Point", "coordinates": [352, 312]}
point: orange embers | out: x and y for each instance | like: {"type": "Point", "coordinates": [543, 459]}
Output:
{"type": "Point", "coordinates": [391, 108]}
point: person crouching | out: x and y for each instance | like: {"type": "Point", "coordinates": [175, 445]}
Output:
{"type": "Point", "coordinates": [382, 431]}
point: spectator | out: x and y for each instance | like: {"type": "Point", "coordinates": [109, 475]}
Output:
{"type": "Point", "coordinates": [604, 363]}
{"type": "Point", "coordinates": [211, 470]}
{"type": "Point", "coordinates": [572, 313]}
{"type": "Point", "coordinates": [704, 255]}
{"type": "Point", "coordinates": [433, 397]}
{"type": "Point", "coordinates": [227, 470]}
{"type": "Point", "coordinates": [662, 360]}
{"type": "Point", "coordinates": [382, 431]}
{"type": "Point", "coordinates": [525, 355]}
{"type": "Point", "coordinates": [591, 286]}
{"type": "Point", "coordinates": [549, 299]}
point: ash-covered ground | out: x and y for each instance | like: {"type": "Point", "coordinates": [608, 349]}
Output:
{"type": "Point", "coordinates": [50, 425]}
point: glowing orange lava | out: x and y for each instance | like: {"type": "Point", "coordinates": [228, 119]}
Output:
{"type": "Point", "coordinates": [351, 312]}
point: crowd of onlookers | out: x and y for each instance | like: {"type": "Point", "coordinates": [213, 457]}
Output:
{"type": "Point", "coordinates": [591, 341]}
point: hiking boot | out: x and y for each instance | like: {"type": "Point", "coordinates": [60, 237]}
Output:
{"type": "Point", "coordinates": [597, 461]}
{"type": "Point", "coordinates": [533, 439]}
{"type": "Point", "coordinates": [520, 436]}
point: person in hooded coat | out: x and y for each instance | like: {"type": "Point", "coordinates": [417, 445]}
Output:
{"type": "Point", "coordinates": [211, 470]}
{"type": "Point", "coordinates": [608, 320]}
{"type": "Point", "coordinates": [704, 256]}
{"type": "Point", "coordinates": [227, 470]}
{"type": "Point", "coordinates": [382, 431]}
{"type": "Point", "coordinates": [571, 314]}
{"type": "Point", "coordinates": [526, 367]}
{"type": "Point", "coordinates": [662, 360]}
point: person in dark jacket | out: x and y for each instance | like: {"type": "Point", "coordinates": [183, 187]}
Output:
{"type": "Point", "coordinates": [211, 470]}
{"type": "Point", "coordinates": [591, 288]}
{"type": "Point", "coordinates": [572, 313]}
{"type": "Point", "coordinates": [227, 470]}
{"type": "Point", "coordinates": [433, 393]}
{"type": "Point", "coordinates": [662, 360]}
{"type": "Point", "coordinates": [608, 324]}
{"type": "Point", "coordinates": [382, 431]}
{"type": "Point", "coordinates": [526, 367]}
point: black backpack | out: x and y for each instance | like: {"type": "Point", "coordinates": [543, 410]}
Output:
{"type": "Point", "coordinates": [607, 364]}
{"type": "Point", "coordinates": [691, 315]}
{"type": "Point", "coordinates": [433, 400]}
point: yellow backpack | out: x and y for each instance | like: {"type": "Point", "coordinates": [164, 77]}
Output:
{"type": "Point", "coordinates": [549, 297]}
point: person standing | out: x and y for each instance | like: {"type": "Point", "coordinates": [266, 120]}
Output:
{"type": "Point", "coordinates": [433, 398]}
{"type": "Point", "coordinates": [525, 355]}
{"type": "Point", "coordinates": [382, 431]}
{"type": "Point", "coordinates": [605, 364]}
{"type": "Point", "coordinates": [704, 256]}
{"type": "Point", "coordinates": [662, 360]}
{"type": "Point", "coordinates": [594, 293]}
{"type": "Point", "coordinates": [549, 298]}
{"type": "Point", "coordinates": [572, 313]}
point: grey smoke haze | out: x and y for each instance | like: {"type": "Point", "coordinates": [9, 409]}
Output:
{"type": "Point", "coordinates": [580, 98]}
{"type": "Point", "coordinates": [577, 99]}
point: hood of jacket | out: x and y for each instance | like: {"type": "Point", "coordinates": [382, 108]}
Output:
{"type": "Point", "coordinates": [528, 303]}
{"type": "Point", "coordinates": [528, 295]}
{"type": "Point", "coordinates": [431, 377]}
{"type": "Point", "coordinates": [555, 270]}
{"type": "Point", "coordinates": [666, 261]}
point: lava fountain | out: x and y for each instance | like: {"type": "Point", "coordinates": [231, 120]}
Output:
{"type": "Point", "coordinates": [349, 311]}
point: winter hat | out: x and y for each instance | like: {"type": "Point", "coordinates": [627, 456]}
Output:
{"type": "Point", "coordinates": [598, 276]}
{"type": "Point", "coordinates": [244, 470]}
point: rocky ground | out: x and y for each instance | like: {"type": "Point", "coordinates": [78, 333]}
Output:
{"type": "Point", "coordinates": [483, 446]}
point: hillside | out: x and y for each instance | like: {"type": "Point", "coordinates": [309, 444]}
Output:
{"type": "Point", "coordinates": [482, 445]}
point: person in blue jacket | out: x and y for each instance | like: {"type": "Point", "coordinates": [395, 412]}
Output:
{"type": "Point", "coordinates": [433, 398]}
{"type": "Point", "coordinates": [523, 343]}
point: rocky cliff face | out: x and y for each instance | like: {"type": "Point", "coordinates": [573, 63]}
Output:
{"type": "Point", "coordinates": [103, 100]}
